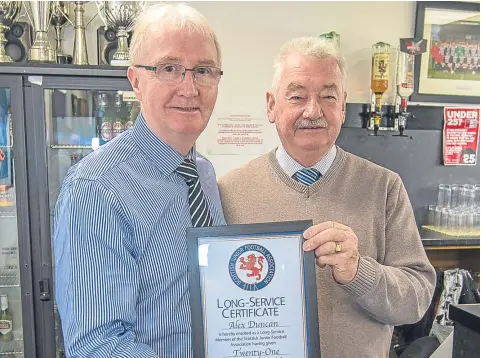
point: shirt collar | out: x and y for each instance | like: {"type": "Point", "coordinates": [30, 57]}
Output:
{"type": "Point", "coordinates": [290, 166]}
{"type": "Point", "coordinates": [163, 156]}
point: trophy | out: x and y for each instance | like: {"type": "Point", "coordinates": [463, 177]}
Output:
{"type": "Point", "coordinates": [80, 55]}
{"type": "Point", "coordinates": [59, 16]}
{"type": "Point", "coordinates": [121, 16]}
{"type": "Point", "coordinates": [8, 12]}
{"type": "Point", "coordinates": [41, 50]}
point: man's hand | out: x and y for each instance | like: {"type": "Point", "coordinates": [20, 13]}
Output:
{"type": "Point", "coordinates": [324, 238]}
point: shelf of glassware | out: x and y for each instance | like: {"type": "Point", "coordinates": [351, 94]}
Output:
{"type": "Point", "coordinates": [10, 287]}
{"type": "Point", "coordinates": [13, 348]}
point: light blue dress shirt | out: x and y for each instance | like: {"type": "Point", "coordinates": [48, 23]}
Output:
{"type": "Point", "coordinates": [121, 280]}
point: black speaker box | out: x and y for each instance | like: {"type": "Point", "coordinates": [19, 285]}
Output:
{"type": "Point", "coordinates": [107, 44]}
{"type": "Point", "coordinates": [19, 40]}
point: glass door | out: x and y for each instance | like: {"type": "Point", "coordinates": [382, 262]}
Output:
{"type": "Point", "coordinates": [14, 286]}
{"type": "Point", "coordinates": [78, 120]}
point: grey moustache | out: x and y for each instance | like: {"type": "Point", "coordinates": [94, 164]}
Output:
{"type": "Point", "coordinates": [309, 123]}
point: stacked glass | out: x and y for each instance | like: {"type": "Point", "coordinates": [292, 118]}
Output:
{"type": "Point", "coordinates": [457, 210]}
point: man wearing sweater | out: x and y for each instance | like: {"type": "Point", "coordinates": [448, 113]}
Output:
{"type": "Point", "coordinates": [372, 271]}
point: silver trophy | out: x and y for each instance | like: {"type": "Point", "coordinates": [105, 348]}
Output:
{"type": "Point", "coordinates": [8, 12]}
{"type": "Point", "coordinates": [120, 16]}
{"type": "Point", "coordinates": [59, 17]}
{"type": "Point", "coordinates": [41, 50]}
{"type": "Point", "coordinates": [80, 55]}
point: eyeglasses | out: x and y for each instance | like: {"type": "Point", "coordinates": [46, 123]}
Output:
{"type": "Point", "coordinates": [203, 75]}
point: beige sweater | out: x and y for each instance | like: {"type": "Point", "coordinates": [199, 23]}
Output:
{"type": "Point", "coordinates": [395, 280]}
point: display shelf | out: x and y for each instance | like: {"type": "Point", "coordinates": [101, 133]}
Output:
{"type": "Point", "coordinates": [436, 241]}
{"type": "Point", "coordinates": [9, 276]}
{"type": "Point", "coordinates": [68, 146]}
{"type": "Point", "coordinates": [12, 348]}
{"type": "Point", "coordinates": [7, 215]}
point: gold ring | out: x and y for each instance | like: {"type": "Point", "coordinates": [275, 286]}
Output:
{"type": "Point", "coordinates": [338, 247]}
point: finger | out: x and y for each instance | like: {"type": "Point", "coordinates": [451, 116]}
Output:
{"type": "Point", "coordinates": [316, 229]}
{"type": "Point", "coordinates": [328, 235]}
{"type": "Point", "coordinates": [329, 248]}
{"type": "Point", "coordinates": [340, 259]}
{"type": "Point", "coordinates": [332, 260]}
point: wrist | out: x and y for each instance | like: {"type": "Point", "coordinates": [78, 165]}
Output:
{"type": "Point", "coordinates": [348, 277]}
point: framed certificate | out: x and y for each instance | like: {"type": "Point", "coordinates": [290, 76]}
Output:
{"type": "Point", "coordinates": [253, 291]}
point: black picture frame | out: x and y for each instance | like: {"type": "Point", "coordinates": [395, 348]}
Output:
{"type": "Point", "coordinates": [242, 231]}
{"type": "Point", "coordinates": [419, 33]}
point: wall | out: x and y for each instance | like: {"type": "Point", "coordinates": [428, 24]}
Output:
{"type": "Point", "coordinates": [251, 33]}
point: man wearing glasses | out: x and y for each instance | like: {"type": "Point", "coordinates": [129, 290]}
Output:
{"type": "Point", "coordinates": [121, 216]}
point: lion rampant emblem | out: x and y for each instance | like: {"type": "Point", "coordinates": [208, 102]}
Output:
{"type": "Point", "coordinates": [251, 265]}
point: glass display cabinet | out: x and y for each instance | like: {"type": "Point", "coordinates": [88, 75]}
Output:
{"type": "Point", "coordinates": [50, 117]}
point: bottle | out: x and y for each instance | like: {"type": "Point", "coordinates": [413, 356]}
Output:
{"type": "Point", "coordinates": [380, 67]}
{"type": "Point", "coordinates": [6, 320]}
{"type": "Point", "coordinates": [117, 126]}
{"type": "Point", "coordinates": [106, 130]}
{"type": "Point", "coordinates": [405, 78]}
{"type": "Point", "coordinates": [379, 77]}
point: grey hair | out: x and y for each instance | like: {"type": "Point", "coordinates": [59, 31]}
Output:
{"type": "Point", "coordinates": [177, 16]}
{"type": "Point", "coordinates": [312, 47]}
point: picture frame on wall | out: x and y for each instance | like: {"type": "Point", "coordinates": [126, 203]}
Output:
{"type": "Point", "coordinates": [449, 71]}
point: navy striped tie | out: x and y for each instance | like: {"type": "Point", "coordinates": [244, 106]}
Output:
{"type": "Point", "coordinates": [199, 209]}
{"type": "Point", "coordinates": [307, 176]}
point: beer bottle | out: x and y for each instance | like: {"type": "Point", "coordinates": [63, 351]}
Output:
{"type": "Point", "coordinates": [6, 319]}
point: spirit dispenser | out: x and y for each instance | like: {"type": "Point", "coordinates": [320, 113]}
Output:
{"type": "Point", "coordinates": [408, 49]}
{"type": "Point", "coordinates": [405, 88]}
{"type": "Point", "coordinates": [379, 80]}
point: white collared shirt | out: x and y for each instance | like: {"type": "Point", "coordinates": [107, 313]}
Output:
{"type": "Point", "coordinates": [290, 166]}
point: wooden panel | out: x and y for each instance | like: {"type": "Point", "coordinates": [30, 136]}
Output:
{"type": "Point", "coordinates": [455, 258]}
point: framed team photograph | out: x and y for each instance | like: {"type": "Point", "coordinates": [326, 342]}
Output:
{"type": "Point", "coordinates": [448, 72]}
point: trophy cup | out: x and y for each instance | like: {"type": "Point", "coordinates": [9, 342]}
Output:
{"type": "Point", "coordinates": [8, 12]}
{"type": "Point", "coordinates": [80, 55]}
{"type": "Point", "coordinates": [121, 16]}
{"type": "Point", "coordinates": [59, 16]}
{"type": "Point", "coordinates": [41, 50]}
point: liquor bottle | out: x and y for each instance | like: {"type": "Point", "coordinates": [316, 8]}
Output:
{"type": "Point", "coordinates": [6, 320]}
{"type": "Point", "coordinates": [379, 77]}
{"type": "Point", "coordinates": [405, 78]}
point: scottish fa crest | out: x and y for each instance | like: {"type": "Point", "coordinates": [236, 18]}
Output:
{"type": "Point", "coordinates": [252, 267]}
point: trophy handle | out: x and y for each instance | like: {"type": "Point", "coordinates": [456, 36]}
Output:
{"type": "Point", "coordinates": [100, 8]}
{"type": "Point", "coordinates": [26, 13]}
{"type": "Point", "coordinates": [93, 17]}
{"type": "Point", "coordinates": [65, 15]}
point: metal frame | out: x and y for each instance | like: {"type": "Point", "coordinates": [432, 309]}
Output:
{"type": "Point", "coordinates": [53, 69]}
{"type": "Point", "coordinates": [14, 83]}
{"type": "Point", "coordinates": [40, 208]}
{"type": "Point", "coordinates": [418, 33]}
{"type": "Point", "coordinates": [236, 232]}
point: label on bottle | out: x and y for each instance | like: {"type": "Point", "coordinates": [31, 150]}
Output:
{"type": "Point", "coordinates": [106, 131]}
{"type": "Point", "coordinates": [128, 124]}
{"type": "Point", "coordinates": [5, 326]}
{"type": "Point", "coordinates": [117, 128]}
{"type": "Point", "coordinates": [380, 67]}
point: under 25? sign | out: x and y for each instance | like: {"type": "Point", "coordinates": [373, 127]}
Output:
{"type": "Point", "coordinates": [460, 136]}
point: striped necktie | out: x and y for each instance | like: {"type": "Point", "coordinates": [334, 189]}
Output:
{"type": "Point", "coordinates": [307, 176]}
{"type": "Point", "coordinates": [199, 209]}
